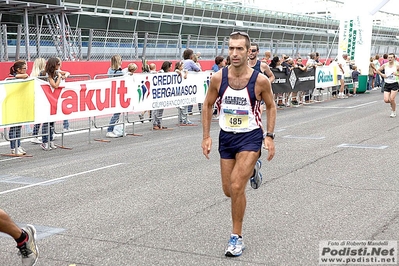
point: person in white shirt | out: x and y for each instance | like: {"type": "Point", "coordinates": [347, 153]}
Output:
{"type": "Point", "coordinates": [391, 86]}
{"type": "Point", "coordinates": [341, 72]}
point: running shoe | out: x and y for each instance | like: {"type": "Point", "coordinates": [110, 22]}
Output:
{"type": "Point", "coordinates": [256, 179]}
{"type": "Point", "coordinates": [235, 246]}
{"type": "Point", "coordinates": [36, 140]}
{"type": "Point", "coordinates": [28, 250]}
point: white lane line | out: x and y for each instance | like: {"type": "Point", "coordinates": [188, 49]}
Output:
{"type": "Point", "coordinates": [342, 107]}
{"type": "Point", "coordinates": [59, 178]}
{"type": "Point", "coordinates": [362, 146]}
{"type": "Point", "coordinates": [302, 137]}
{"type": "Point", "coordinates": [9, 159]}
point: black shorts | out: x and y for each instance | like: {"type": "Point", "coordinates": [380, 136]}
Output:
{"type": "Point", "coordinates": [391, 87]}
{"type": "Point", "coordinates": [232, 143]}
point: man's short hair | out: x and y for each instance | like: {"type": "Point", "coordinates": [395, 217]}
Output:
{"type": "Point", "coordinates": [255, 44]}
{"type": "Point", "coordinates": [187, 54]}
{"type": "Point", "coordinates": [219, 59]}
{"type": "Point", "coordinates": [239, 35]}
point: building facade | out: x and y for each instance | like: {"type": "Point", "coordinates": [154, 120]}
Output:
{"type": "Point", "coordinates": [160, 29]}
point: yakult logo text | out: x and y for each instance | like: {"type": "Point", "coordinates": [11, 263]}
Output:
{"type": "Point", "coordinates": [86, 99]}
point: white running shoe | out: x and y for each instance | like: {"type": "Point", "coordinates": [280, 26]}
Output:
{"type": "Point", "coordinates": [235, 246]}
{"type": "Point", "coordinates": [256, 178]}
{"type": "Point", "coordinates": [21, 150]}
{"type": "Point", "coordinates": [28, 250]}
{"type": "Point", "coordinates": [111, 135]}
{"type": "Point", "coordinates": [16, 152]}
{"type": "Point", "coordinates": [45, 146]}
{"type": "Point", "coordinates": [36, 140]}
{"type": "Point", "coordinates": [393, 114]}
{"type": "Point", "coordinates": [52, 145]}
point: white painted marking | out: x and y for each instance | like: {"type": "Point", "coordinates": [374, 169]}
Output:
{"type": "Point", "coordinates": [9, 159]}
{"type": "Point", "coordinates": [342, 107]}
{"type": "Point", "coordinates": [362, 146]}
{"type": "Point", "coordinates": [302, 137]}
{"type": "Point", "coordinates": [59, 178]}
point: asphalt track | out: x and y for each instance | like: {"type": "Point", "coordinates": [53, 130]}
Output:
{"type": "Point", "coordinates": [156, 200]}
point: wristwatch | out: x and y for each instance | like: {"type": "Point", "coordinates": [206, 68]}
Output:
{"type": "Point", "coordinates": [270, 135]}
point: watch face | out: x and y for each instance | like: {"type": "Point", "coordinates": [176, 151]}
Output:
{"type": "Point", "coordinates": [271, 135]}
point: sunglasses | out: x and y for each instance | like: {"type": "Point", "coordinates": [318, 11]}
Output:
{"type": "Point", "coordinates": [241, 33]}
{"type": "Point", "coordinates": [254, 50]}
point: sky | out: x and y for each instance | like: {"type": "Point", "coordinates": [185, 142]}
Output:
{"type": "Point", "coordinates": [303, 6]}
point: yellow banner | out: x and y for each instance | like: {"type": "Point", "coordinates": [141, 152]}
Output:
{"type": "Point", "coordinates": [19, 102]}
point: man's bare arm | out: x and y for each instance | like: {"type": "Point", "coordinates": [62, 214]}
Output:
{"type": "Point", "coordinates": [266, 92]}
{"type": "Point", "coordinates": [210, 98]}
{"type": "Point", "coordinates": [268, 72]}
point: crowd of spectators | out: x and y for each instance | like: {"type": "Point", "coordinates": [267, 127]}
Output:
{"type": "Point", "coordinates": [53, 74]}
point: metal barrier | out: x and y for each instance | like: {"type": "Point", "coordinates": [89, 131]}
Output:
{"type": "Point", "coordinates": [119, 121]}
{"type": "Point", "coordinates": [73, 125]}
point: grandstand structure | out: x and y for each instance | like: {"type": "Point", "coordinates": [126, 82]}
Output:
{"type": "Point", "coordinates": [162, 29]}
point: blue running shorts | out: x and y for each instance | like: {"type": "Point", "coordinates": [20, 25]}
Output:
{"type": "Point", "coordinates": [232, 143]}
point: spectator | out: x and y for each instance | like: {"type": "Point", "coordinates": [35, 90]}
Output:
{"type": "Point", "coordinates": [377, 79]}
{"type": "Point", "coordinates": [299, 64]}
{"type": "Point", "coordinates": [25, 238]}
{"type": "Point", "coordinates": [157, 114]}
{"type": "Point", "coordinates": [153, 68]}
{"type": "Point", "coordinates": [145, 68]}
{"type": "Point", "coordinates": [267, 58]}
{"type": "Point", "coordinates": [131, 68]}
{"type": "Point", "coordinates": [219, 63]}
{"type": "Point", "coordinates": [288, 63]}
{"type": "Point", "coordinates": [64, 74]}
{"type": "Point", "coordinates": [371, 75]}
{"type": "Point", "coordinates": [183, 110]}
{"type": "Point", "coordinates": [190, 65]}
{"type": "Point", "coordinates": [295, 95]}
{"type": "Point", "coordinates": [114, 71]}
{"type": "Point", "coordinates": [179, 69]}
{"type": "Point", "coordinates": [341, 72]}
{"type": "Point", "coordinates": [228, 61]}
{"type": "Point", "coordinates": [38, 69]}
{"type": "Point", "coordinates": [310, 64]}
{"type": "Point", "coordinates": [17, 71]}
{"type": "Point", "coordinates": [275, 63]}
{"type": "Point", "coordinates": [54, 77]}
{"type": "Point", "coordinates": [195, 59]}
{"type": "Point", "coordinates": [317, 59]}
{"type": "Point", "coordinates": [355, 79]}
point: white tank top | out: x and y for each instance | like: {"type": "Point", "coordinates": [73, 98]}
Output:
{"type": "Point", "coordinates": [239, 111]}
{"type": "Point", "coordinates": [389, 72]}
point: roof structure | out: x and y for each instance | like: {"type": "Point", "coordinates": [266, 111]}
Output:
{"type": "Point", "coordinates": [19, 7]}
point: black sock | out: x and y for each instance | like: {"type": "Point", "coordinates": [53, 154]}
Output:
{"type": "Point", "coordinates": [22, 238]}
